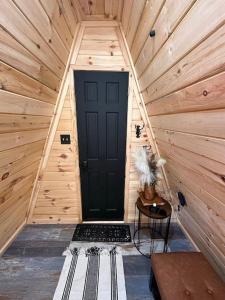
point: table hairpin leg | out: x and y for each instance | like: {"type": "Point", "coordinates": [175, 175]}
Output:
{"type": "Point", "coordinates": [167, 235]}
{"type": "Point", "coordinates": [137, 230]}
{"type": "Point", "coordinates": [135, 213]}
{"type": "Point", "coordinates": [161, 227]}
{"type": "Point", "coordinates": [139, 226]}
{"type": "Point", "coordinates": [153, 236]}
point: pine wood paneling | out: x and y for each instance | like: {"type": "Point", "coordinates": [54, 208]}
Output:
{"type": "Point", "coordinates": [205, 245]}
{"type": "Point", "coordinates": [169, 17]}
{"type": "Point", "coordinates": [35, 41]}
{"type": "Point", "coordinates": [101, 48]}
{"type": "Point", "coordinates": [67, 9]}
{"type": "Point", "coordinates": [12, 19]}
{"type": "Point", "coordinates": [197, 97]}
{"type": "Point", "coordinates": [105, 34]}
{"type": "Point", "coordinates": [58, 194]}
{"type": "Point", "coordinates": [99, 9]}
{"type": "Point", "coordinates": [58, 19]}
{"type": "Point", "coordinates": [209, 123]}
{"type": "Point", "coordinates": [11, 123]}
{"type": "Point", "coordinates": [181, 75]}
{"type": "Point", "coordinates": [177, 46]}
{"type": "Point", "coordinates": [16, 55]}
{"type": "Point", "coordinates": [203, 145]}
{"type": "Point", "coordinates": [127, 8]}
{"type": "Point", "coordinates": [83, 60]}
{"type": "Point", "coordinates": [17, 82]}
{"type": "Point", "coordinates": [15, 159]}
{"type": "Point", "coordinates": [38, 17]}
{"type": "Point", "coordinates": [16, 104]}
{"type": "Point", "coordinates": [147, 20]}
{"type": "Point", "coordinates": [135, 143]}
{"type": "Point", "coordinates": [8, 197]}
{"type": "Point", "coordinates": [11, 140]}
{"type": "Point", "coordinates": [93, 7]}
{"type": "Point", "coordinates": [204, 61]}
{"type": "Point", "coordinates": [135, 16]}
{"type": "Point", "coordinates": [205, 175]}
{"type": "Point", "coordinates": [99, 40]}
{"type": "Point", "coordinates": [197, 208]}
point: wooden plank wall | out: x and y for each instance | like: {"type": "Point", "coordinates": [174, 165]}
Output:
{"type": "Point", "coordinates": [58, 199]}
{"type": "Point", "coordinates": [181, 73]}
{"type": "Point", "coordinates": [96, 10]}
{"type": "Point", "coordinates": [35, 41]}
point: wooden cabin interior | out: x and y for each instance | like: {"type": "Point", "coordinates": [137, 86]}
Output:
{"type": "Point", "coordinates": [166, 59]}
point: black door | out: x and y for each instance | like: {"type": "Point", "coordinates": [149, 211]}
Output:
{"type": "Point", "coordinates": [101, 99]}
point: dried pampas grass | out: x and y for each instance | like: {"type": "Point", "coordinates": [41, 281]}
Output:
{"type": "Point", "coordinates": [161, 162]}
{"type": "Point", "coordinates": [148, 166]}
{"type": "Point", "coordinates": [141, 164]}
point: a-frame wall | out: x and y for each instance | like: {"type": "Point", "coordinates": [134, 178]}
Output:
{"type": "Point", "coordinates": [181, 72]}
{"type": "Point", "coordinates": [35, 42]}
{"type": "Point", "coordinates": [57, 192]}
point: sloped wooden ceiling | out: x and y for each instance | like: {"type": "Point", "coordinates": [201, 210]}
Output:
{"type": "Point", "coordinates": [99, 9]}
{"type": "Point", "coordinates": [35, 41]}
{"type": "Point", "coordinates": [181, 73]}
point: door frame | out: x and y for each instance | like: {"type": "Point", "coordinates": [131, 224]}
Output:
{"type": "Point", "coordinates": [74, 68]}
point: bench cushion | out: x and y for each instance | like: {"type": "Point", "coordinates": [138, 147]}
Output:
{"type": "Point", "coordinates": [188, 275]}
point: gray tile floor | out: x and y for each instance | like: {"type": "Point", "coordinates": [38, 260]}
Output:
{"type": "Point", "coordinates": [30, 268]}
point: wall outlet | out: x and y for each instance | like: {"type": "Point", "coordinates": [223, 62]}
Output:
{"type": "Point", "coordinates": [65, 138]}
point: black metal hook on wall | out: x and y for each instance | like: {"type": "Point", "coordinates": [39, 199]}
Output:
{"type": "Point", "coordinates": [138, 130]}
{"type": "Point", "coordinates": [152, 33]}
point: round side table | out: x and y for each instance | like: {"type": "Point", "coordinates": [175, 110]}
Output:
{"type": "Point", "coordinates": [158, 225]}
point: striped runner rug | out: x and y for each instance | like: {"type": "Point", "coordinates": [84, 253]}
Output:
{"type": "Point", "coordinates": [92, 274]}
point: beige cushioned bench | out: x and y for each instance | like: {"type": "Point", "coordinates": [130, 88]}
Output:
{"type": "Point", "coordinates": [186, 275]}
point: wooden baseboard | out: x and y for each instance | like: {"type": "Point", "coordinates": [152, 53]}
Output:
{"type": "Point", "coordinates": [12, 238]}
{"type": "Point", "coordinates": [53, 221]}
{"type": "Point", "coordinates": [188, 235]}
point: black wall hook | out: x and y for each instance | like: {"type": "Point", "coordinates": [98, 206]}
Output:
{"type": "Point", "coordinates": [138, 130]}
{"type": "Point", "coordinates": [152, 33]}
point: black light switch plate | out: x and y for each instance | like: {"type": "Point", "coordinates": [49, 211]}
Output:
{"type": "Point", "coordinates": [65, 138]}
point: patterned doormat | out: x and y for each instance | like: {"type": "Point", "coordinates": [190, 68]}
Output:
{"type": "Point", "coordinates": [92, 274]}
{"type": "Point", "coordinates": [102, 233]}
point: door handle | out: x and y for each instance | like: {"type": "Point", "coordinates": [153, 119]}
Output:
{"type": "Point", "coordinates": [84, 164]}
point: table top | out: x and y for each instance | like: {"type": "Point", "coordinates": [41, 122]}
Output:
{"type": "Point", "coordinates": [145, 210]}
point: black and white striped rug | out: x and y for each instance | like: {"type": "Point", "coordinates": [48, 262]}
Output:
{"type": "Point", "coordinates": [92, 274]}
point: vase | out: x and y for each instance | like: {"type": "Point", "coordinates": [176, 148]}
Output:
{"type": "Point", "coordinates": [149, 192]}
